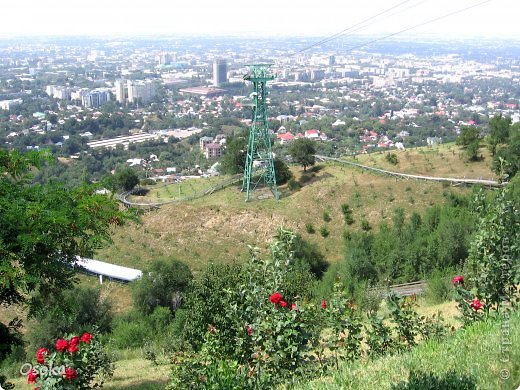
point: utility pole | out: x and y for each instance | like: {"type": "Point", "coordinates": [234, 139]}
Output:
{"type": "Point", "coordinates": [259, 166]}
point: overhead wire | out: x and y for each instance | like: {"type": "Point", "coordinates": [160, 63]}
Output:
{"type": "Point", "coordinates": [361, 25]}
{"type": "Point", "coordinates": [348, 29]}
{"type": "Point", "coordinates": [419, 25]}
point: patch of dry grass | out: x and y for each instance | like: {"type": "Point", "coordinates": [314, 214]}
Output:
{"type": "Point", "coordinates": [219, 227]}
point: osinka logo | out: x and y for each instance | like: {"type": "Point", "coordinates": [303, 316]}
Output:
{"type": "Point", "coordinates": [42, 371]}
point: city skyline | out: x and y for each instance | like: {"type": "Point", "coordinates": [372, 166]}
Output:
{"type": "Point", "coordinates": [495, 18]}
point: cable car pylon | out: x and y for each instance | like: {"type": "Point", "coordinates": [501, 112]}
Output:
{"type": "Point", "coordinates": [259, 165]}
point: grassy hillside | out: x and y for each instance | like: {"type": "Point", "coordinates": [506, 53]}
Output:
{"type": "Point", "coordinates": [219, 227]}
{"type": "Point", "coordinates": [478, 351]}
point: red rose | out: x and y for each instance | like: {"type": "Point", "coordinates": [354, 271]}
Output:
{"type": "Point", "coordinates": [294, 307]}
{"type": "Point", "coordinates": [275, 298]}
{"type": "Point", "coordinates": [62, 345]}
{"type": "Point", "coordinates": [249, 329]}
{"type": "Point", "coordinates": [70, 374]}
{"type": "Point", "coordinates": [476, 304]}
{"type": "Point", "coordinates": [32, 377]}
{"type": "Point", "coordinates": [457, 280]}
{"type": "Point", "coordinates": [86, 337]}
{"type": "Point", "coordinates": [324, 304]}
{"type": "Point", "coordinates": [74, 341]}
{"type": "Point", "coordinates": [283, 303]}
{"type": "Point", "coordinates": [41, 354]}
{"type": "Point", "coordinates": [72, 348]}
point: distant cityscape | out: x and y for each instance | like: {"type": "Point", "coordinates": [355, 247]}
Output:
{"type": "Point", "coordinates": [96, 94]}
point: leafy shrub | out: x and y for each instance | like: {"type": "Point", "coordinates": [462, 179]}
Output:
{"type": "Point", "coordinates": [324, 231]}
{"type": "Point", "coordinates": [129, 332]}
{"type": "Point", "coordinates": [72, 363]}
{"type": "Point", "coordinates": [306, 255]}
{"type": "Point", "coordinates": [255, 335]}
{"type": "Point", "coordinates": [326, 216]}
{"type": "Point", "coordinates": [147, 182]}
{"type": "Point", "coordinates": [161, 285]}
{"type": "Point", "coordinates": [73, 311]}
{"type": "Point", "coordinates": [365, 225]}
{"type": "Point", "coordinates": [347, 214]}
{"type": "Point", "coordinates": [404, 316]}
{"type": "Point", "coordinates": [430, 381]}
{"type": "Point", "coordinates": [391, 158]}
{"type": "Point", "coordinates": [282, 172]}
{"type": "Point", "coordinates": [310, 228]}
{"type": "Point", "coordinates": [156, 330]}
{"type": "Point", "coordinates": [378, 336]}
{"type": "Point", "coordinates": [492, 263]}
{"type": "Point", "coordinates": [343, 319]}
{"type": "Point", "coordinates": [294, 185]}
{"type": "Point", "coordinates": [439, 288]}
{"type": "Point", "coordinates": [204, 304]}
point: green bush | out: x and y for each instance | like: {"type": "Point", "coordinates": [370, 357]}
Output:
{"type": "Point", "coordinates": [347, 214]}
{"type": "Point", "coordinates": [147, 182]}
{"type": "Point", "coordinates": [326, 216]}
{"type": "Point", "coordinates": [439, 287]}
{"type": "Point", "coordinates": [282, 172]}
{"type": "Point", "coordinates": [430, 381]}
{"type": "Point", "coordinates": [294, 185]}
{"type": "Point", "coordinates": [74, 311]}
{"type": "Point", "coordinates": [307, 256]}
{"type": "Point", "coordinates": [133, 330]}
{"type": "Point", "coordinates": [324, 231]}
{"type": "Point", "coordinates": [310, 228]}
{"type": "Point", "coordinates": [391, 158]}
{"type": "Point", "coordinates": [163, 284]}
{"type": "Point", "coordinates": [365, 225]}
{"type": "Point", "coordinates": [129, 333]}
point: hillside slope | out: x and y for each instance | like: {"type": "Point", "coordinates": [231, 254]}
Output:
{"type": "Point", "coordinates": [485, 352]}
{"type": "Point", "coordinates": [219, 227]}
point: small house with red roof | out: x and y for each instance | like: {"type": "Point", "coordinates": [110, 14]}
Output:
{"type": "Point", "coordinates": [312, 134]}
{"type": "Point", "coordinates": [285, 138]}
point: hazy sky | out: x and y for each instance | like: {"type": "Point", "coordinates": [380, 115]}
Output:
{"type": "Point", "coordinates": [272, 17]}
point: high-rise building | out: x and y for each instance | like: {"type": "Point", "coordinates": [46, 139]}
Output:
{"type": "Point", "coordinates": [141, 91]}
{"type": "Point", "coordinates": [219, 72]}
{"type": "Point", "coordinates": [164, 59]}
{"type": "Point", "coordinates": [95, 98]}
{"type": "Point", "coordinates": [120, 90]}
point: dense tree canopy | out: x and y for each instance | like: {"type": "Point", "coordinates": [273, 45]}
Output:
{"type": "Point", "coordinates": [302, 151]}
{"type": "Point", "coordinates": [161, 285]}
{"type": "Point", "coordinates": [499, 132]}
{"type": "Point", "coordinates": [470, 139]}
{"type": "Point", "coordinates": [235, 158]}
{"type": "Point", "coordinates": [43, 228]}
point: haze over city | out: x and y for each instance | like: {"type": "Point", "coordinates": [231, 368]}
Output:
{"type": "Point", "coordinates": [494, 18]}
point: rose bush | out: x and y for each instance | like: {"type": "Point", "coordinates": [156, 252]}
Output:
{"type": "Point", "coordinates": [258, 333]}
{"type": "Point", "coordinates": [77, 363]}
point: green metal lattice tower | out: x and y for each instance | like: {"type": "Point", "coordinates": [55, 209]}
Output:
{"type": "Point", "coordinates": [259, 166]}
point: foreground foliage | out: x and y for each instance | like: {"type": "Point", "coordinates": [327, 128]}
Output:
{"type": "Point", "coordinates": [74, 363]}
{"type": "Point", "coordinates": [251, 326]}
{"type": "Point", "coordinates": [477, 353]}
